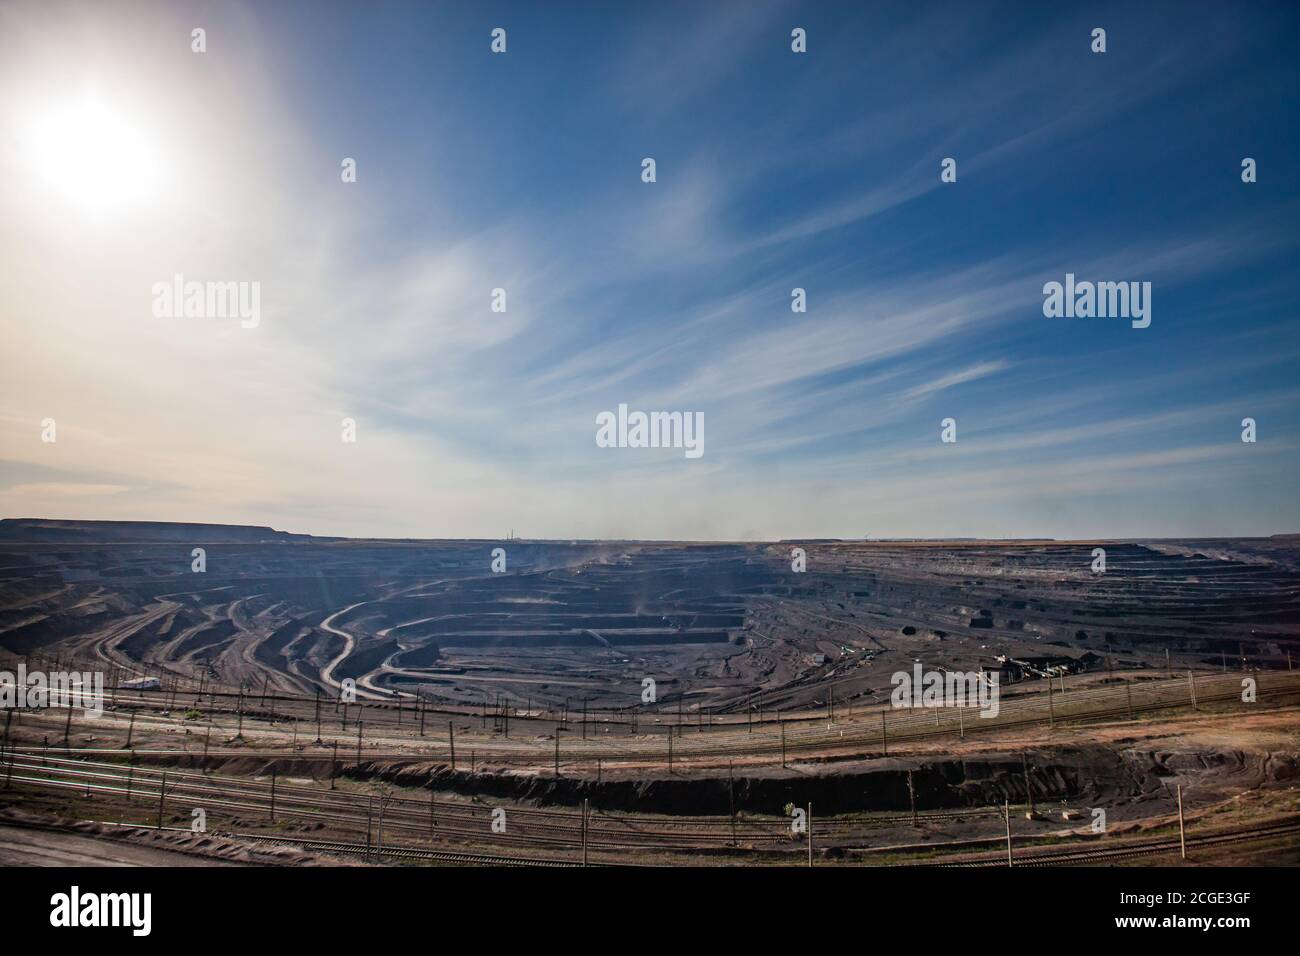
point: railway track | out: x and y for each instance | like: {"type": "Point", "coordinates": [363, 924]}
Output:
{"type": "Point", "coordinates": [405, 853]}
{"type": "Point", "coordinates": [557, 831]}
{"type": "Point", "coordinates": [349, 849]}
{"type": "Point", "coordinates": [862, 734]}
{"type": "Point", "coordinates": [448, 820]}
{"type": "Point", "coordinates": [1162, 845]}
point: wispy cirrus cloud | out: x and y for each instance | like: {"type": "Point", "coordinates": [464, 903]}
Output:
{"type": "Point", "coordinates": [774, 173]}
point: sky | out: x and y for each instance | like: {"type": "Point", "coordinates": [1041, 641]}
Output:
{"type": "Point", "coordinates": [774, 170]}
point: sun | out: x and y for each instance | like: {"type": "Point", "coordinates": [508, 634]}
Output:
{"type": "Point", "coordinates": [91, 153]}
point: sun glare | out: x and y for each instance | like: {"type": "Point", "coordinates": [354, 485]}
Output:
{"type": "Point", "coordinates": [90, 152]}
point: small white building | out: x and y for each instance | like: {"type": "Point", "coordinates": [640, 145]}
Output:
{"type": "Point", "coordinates": [142, 683]}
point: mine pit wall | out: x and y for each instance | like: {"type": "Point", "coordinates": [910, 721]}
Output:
{"type": "Point", "coordinates": [1082, 776]}
{"type": "Point", "coordinates": [943, 785]}
{"type": "Point", "coordinates": [1093, 775]}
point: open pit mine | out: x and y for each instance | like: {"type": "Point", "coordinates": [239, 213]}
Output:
{"type": "Point", "coordinates": [240, 694]}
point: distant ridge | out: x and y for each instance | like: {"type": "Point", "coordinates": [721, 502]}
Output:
{"type": "Point", "coordinates": [74, 530]}
{"type": "Point", "coordinates": [56, 529]}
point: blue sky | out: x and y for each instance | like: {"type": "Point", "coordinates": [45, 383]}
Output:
{"type": "Point", "coordinates": [774, 171]}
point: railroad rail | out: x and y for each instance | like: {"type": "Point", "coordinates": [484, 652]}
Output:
{"type": "Point", "coordinates": [452, 819]}
{"type": "Point", "coordinates": [867, 732]}
{"type": "Point", "coordinates": [1158, 846]}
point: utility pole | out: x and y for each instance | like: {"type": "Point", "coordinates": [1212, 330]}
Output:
{"type": "Point", "coordinates": [318, 715]}
{"type": "Point", "coordinates": [731, 794]}
{"type": "Point", "coordinates": [272, 794]}
{"type": "Point", "coordinates": [782, 744]}
{"type": "Point", "coordinates": [584, 819]}
{"type": "Point", "coordinates": [1191, 683]}
{"type": "Point", "coordinates": [911, 793]}
{"type": "Point", "coordinates": [370, 806]}
{"type": "Point", "coordinates": [884, 734]}
{"type": "Point", "coordinates": [1182, 830]}
{"type": "Point", "coordinates": [1029, 790]}
{"type": "Point", "coordinates": [1051, 708]}
{"type": "Point", "coordinates": [9, 716]}
{"type": "Point", "coordinates": [162, 797]}
{"type": "Point", "coordinates": [360, 723]}
{"type": "Point", "coordinates": [1006, 813]}
{"type": "Point", "coordinates": [810, 856]}
{"type": "Point", "coordinates": [451, 740]}
{"type": "Point", "coordinates": [130, 730]}
{"type": "Point", "coordinates": [334, 765]}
